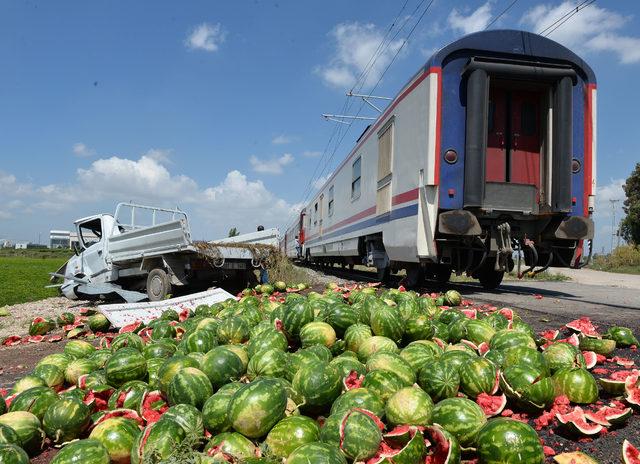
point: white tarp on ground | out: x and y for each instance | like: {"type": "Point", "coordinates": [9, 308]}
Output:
{"type": "Point", "coordinates": [122, 314]}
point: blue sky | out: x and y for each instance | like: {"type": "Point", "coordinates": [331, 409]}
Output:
{"type": "Point", "coordinates": [215, 106]}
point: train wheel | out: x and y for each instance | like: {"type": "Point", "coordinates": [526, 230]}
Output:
{"type": "Point", "coordinates": [489, 277]}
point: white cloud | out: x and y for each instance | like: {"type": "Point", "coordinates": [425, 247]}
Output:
{"type": "Point", "coordinates": [475, 21]}
{"type": "Point", "coordinates": [162, 156]}
{"type": "Point", "coordinates": [593, 29]}
{"type": "Point", "coordinates": [283, 139]}
{"type": "Point", "coordinates": [355, 43]}
{"type": "Point", "coordinates": [311, 153]}
{"type": "Point", "coordinates": [206, 37]}
{"type": "Point", "coordinates": [319, 182]}
{"type": "Point", "coordinates": [271, 166]}
{"type": "Point", "coordinates": [83, 151]}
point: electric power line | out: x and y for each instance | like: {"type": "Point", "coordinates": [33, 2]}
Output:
{"type": "Point", "coordinates": [565, 17]}
{"type": "Point", "coordinates": [502, 13]}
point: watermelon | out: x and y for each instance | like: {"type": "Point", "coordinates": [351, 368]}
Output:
{"type": "Point", "coordinates": [411, 448]}
{"type": "Point", "coordinates": [387, 322]}
{"type": "Point", "coordinates": [439, 380]}
{"type": "Point", "coordinates": [341, 316]}
{"type": "Point", "coordinates": [360, 434]}
{"type": "Point", "coordinates": [507, 338]}
{"type": "Point", "coordinates": [172, 366]}
{"type": "Point", "coordinates": [186, 416]}
{"type": "Point", "coordinates": [66, 420]}
{"type": "Point", "coordinates": [505, 440]}
{"type": "Point", "coordinates": [623, 336]}
{"type": "Point", "coordinates": [88, 451]}
{"type": "Point", "coordinates": [477, 375]}
{"type": "Point", "coordinates": [60, 360]}
{"type": "Point", "coordinates": [129, 395]}
{"type": "Point", "coordinates": [630, 454]}
{"type": "Point", "coordinates": [39, 326]}
{"type": "Point", "coordinates": [317, 333]}
{"type": "Point", "coordinates": [125, 365]}
{"type": "Point", "coordinates": [561, 355]}
{"type": "Point", "coordinates": [98, 323]}
{"type": "Point", "coordinates": [35, 400]}
{"type": "Point", "coordinates": [77, 349]}
{"type": "Point", "coordinates": [361, 398]}
{"type": "Point", "coordinates": [575, 423]}
{"type": "Point", "coordinates": [419, 328]}
{"type": "Point", "coordinates": [527, 387]}
{"type": "Point", "coordinates": [232, 330]}
{"type": "Point", "coordinates": [491, 405]}
{"type": "Point", "coordinates": [601, 346]}
{"type": "Point", "coordinates": [526, 356]}
{"type": "Point", "coordinates": [317, 453]}
{"type": "Point", "coordinates": [13, 454]}
{"type": "Point", "coordinates": [77, 368]}
{"type": "Point", "coordinates": [240, 351]}
{"type": "Point", "coordinates": [127, 340]}
{"type": "Point", "coordinates": [479, 331]}
{"type": "Point", "coordinates": [162, 329]}
{"type": "Point", "coordinates": [461, 417]}
{"type": "Point", "coordinates": [221, 366]}
{"type": "Point", "coordinates": [290, 433]}
{"type": "Point", "coordinates": [375, 344]}
{"type": "Point", "coordinates": [347, 364]}
{"type": "Point", "coordinates": [296, 314]}
{"type": "Point", "coordinates": [444, 449]}
{"type": "Point", "coordinates": [214, 411]}
{"type": "Point", "coordinates": [230, 445]}
{"type": "Point", "coordinates": [383, 383]}
{"type": "Point", "coordinates": [257, 406]}
{"type": "Point", "coordinates": [393, 363]}
{"type": "Point", "coordinates": [270, 363]}
{"type": "Point", "coordinates": [409, 406]}
{"type": "Point", "coordinates": [27, 382]}
{"type": "Point", "coordinates": [8, 435]}
{"type": "Point", "coordinates": [189, 386]}
{"type": "Point", "coordinates": [27, 427]}
{"type": "Point", "coordinates": [267, 340]}
{"type": "Point", "coordinates": [117, 435]}
{"type": "Point", "coordinates": [319, 382]}
{"type": "Point", "coordinates": [158, 440]}
{"type": "Point", "coordinates": [200, 341]}
{"type": "Point", "coordinates": [453, 298]}
{"type": "Point", "coordinates": [417, 355]}
{"type": "Point", "coordinates": [457, 355]}
{"type": "Point", "coordinates": [577, 384]}
{"type": "Point", "coordinates": [159, 349]}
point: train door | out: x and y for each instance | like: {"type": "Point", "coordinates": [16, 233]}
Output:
{"type": "Point", "coordinates": [385, 163]}
{"type": "Point", "coordinates": [514, 136]}
{"type": "Point", "coordinates": [320, 202]}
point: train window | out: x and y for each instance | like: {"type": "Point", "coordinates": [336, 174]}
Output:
{"type": "Point", "coordinates": [528, 119]}
{"type": "Point", "coordinates": [384, 157]}
{"type": "Point", "coordinates": [492, 112]}
{"type": "Point", "coordinates": [315, 214]}
{"type": "Point", "coordinates": [356, 178]}
{"type": "Point", "coordinates": [330, 204]}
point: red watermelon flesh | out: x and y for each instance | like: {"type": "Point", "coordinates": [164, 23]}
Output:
{"type": "Point", "coordinates": [12, 340]}
{"type": "Point", "coordinates": [608, 415]}
{"type": "Point", "coordinates": [440, 446]}
{"type": "Point", "coordinates": [576, 422]}
{"type": "Point", "coordinates": [590, 358]}
{"type": "Point", "coordinates": [550, 334]}
{"type": "Point", "coordinates": [153, 406]}
{"type": "Point", "coordinates": [491, 405]}
{"type": "Point", "coordinates": [584, 326]}
{"type": "Point", "coordinates": [353, 380]}
{"type": "Point", "coordinates": [133, 327]}
{"type": "Point", "coordinates": [630, 453]}
{"type": "Point", "coordinates": [632, 389]}
{"type": "Point", "coordinates": [121, 412]}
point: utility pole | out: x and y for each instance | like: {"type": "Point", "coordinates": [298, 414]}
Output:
{"type": "Point", "coordinates": [613, 221]}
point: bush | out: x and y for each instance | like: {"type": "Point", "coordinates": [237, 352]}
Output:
{"type": "Point", "coordinates": [627, 256]}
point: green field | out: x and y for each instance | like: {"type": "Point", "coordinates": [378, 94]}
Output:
{"type": "Point", "coordinates": [23, 276]}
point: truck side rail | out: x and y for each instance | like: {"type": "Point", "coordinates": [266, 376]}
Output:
{"type": "Point", "coordinates": [154, 211]}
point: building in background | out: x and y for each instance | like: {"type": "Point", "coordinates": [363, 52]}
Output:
{"type": "Point", "coordinates": [67, 239]}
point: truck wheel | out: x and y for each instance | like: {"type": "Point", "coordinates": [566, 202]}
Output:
{"type": "Point", "coordinates": [442, 273]}
{"type": "Point", "coordinates": [158, 285]}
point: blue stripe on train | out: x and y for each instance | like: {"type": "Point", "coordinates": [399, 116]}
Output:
{"type": "Point", "coordinates": [395, 214]}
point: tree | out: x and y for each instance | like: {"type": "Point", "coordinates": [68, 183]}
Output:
{"type": "Point", "coordinates": [233, 232]}
{"type": "Point", "coordinates": [630, 225]}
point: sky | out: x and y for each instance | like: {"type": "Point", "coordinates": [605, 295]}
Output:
{"type": "Point", "coordinates": [215, 106]}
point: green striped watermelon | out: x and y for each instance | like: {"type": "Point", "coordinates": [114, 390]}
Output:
{"type": "Point", "coordinates": [87, 451]}
{"type": "Point", "coordinates": [477, 375]}
{"type": "Point", "coordinates": [319, 382]}
{"type": "Point", "coordinates": [453, 298]}
{"type": "Point", "coordinates": [317, 333]}
{"type": "Point", "coordinates": [439, 380]}
{"type": "Point", "coordinates": [129, 395]}
{"type": "Point", "coordinates": [188, 417]}
{"type": "Point", "coordinates": [505, 441]}
{"type": "Point", "coordinates": [27, 427]}
{"type": "Point", "coordinates": [189, 386]}
{"type": "Point", "coordinates": [35, 400]}
{"type": "Point", "coordinates": [222, 366]}
{"type": "Point", "coordinates": [117, 435]}
{"type": "Point", "coordinates": [360, 434]}
{"type": "Point", "coordinates": [200, 341]}
{"type": "Point", "coordinates": [77, 368]}
{"type": "Point", "coordinates": [361, 398]}
{"type": "Point", "coordinates": [77, 349]}
{"type": "Point", "coordinates": [387, 322]}
{"type": "Point", "coordinates": [419, 328]}
{"type": "Point", "coordinates": [295, 361]}
{"type": "Point", "coordinates": [375, 344]}
{"type": "Point", "coordinates": [290, 433]}
{"type": "Point", "coordinates": [232, 330]}
{"type": "Point", "coordinates": [127, 340]}
{"type": "Point", "coordinates": [296, 315]}
{"type": "Point", "coordinates": [13, 454]}
{"type": "Point", "coordinates": [60, 360]}
{"type": "Point", "coordinates": [266, 340]}
{"type": "Point", "coordinates": [444, 446]}
{"type": "Point", "coordinates": [125, 365]}
{"type": "Point", "coordinates": [383, 383]}
{"type": "Point", "coordinates": [479, 331]}
{"type": "Point", "coordinates": [159, 349]}
{"type": "Point", "coordinates": [8, 435]}
{"type": "Point", "coordinates": [257, 406]}
{"type": "Point", "coordinates": [98, 323]}
{"type": "Point", "coordinates": [525, 385]}
{"type": "Point", "coordinates": [462, 417]}
{"type": "Point", "coordinates": [100, 357]}
{"type": "Point", "coordinates": [341, 317]}
{"type": "Point", "coordinates": [577, 384]}
{"type": "Point", "coordinates": [507, 338]}
{"type": "Point", "coordinates": [270, 363]}
{"type": "Point", "coordinates": [409, 406]}
{"type": "Point", "coordinates": [355, 335]}
{"type": "Point", "coordinates": [393, 363]}
{"type": "Point", "coordinates": [170, 368]}
{"type": "Point", "coordinates": [232, 445]}
{"type": "Point", "coordinates": [417, 355]}
{"type": "Point", "coordinates": [157, 442]}
{"type": "Point", "coordinates": [214, 411]}
{"type": "Point", "coordinates": [561, 355]}
{"type": "Point", "coordinates": [347, 364]}
{"type": "Point", "coordinates": [52, 375]}
{"type": "Point", "coordinates": [66, 420]}
{"type": "Point", "coordinates": [162, 329]}
{"type": "Point", "coordinates": [526, 356]}
{"type": "Point", "coordinates": [317, 453]}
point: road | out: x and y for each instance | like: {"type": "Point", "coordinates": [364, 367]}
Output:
{"type": "Point", "coordinates": [559, 302]}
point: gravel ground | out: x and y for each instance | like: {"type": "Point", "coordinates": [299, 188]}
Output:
{"type": "Point", "coordinates": [20, 315]}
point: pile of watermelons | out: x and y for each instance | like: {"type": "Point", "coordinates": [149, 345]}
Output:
{"type": "Point", "coordinates": [355, 374]}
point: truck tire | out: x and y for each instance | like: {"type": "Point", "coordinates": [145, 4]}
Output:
{"type": "Point", "coordinates": [158, 284]}
{"type": "Point", "coordinates": [489, 278]}
{"type": "Point", "coordinates": [442, 273]}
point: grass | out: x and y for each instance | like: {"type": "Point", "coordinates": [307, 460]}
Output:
{"type": "Point", "coordinates": [281, 268]}
{"type": "Point", "coordinates": [624, 260]}
{"type": "Point", "coordinates": [24, 277]}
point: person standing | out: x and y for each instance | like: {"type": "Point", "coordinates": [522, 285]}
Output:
{"type": "Point", "coordinates": [298, 248]}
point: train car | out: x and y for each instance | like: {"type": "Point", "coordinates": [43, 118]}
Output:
{"type": "Point", "coordinates": [487, 155]}
{"type": "Point", "coordinates": [295, 232]}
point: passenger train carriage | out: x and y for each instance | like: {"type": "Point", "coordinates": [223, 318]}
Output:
{"type": "Point", "coordinates": [488, 149]}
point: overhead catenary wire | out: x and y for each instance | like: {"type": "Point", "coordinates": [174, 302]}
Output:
{"type": "Point", "coordinates": [565, 17]}
{"type": "Point", "coordinates": [501, 14]}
